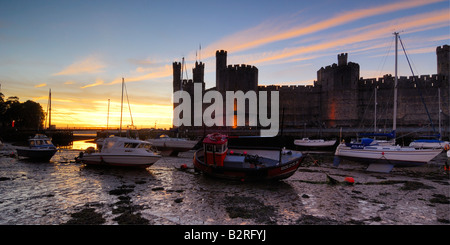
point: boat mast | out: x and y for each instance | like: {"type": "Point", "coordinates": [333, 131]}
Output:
{"type": "Point", "coordinates": [107, 118]}
{"type": "Point", "coordinates": [50, 108]}
{"type": "Point", "coordinates": [394, 126]}
{"type": "Point", "coordinates": [121, 109]}
{"type": "Point", "coordinates": [375, 110]}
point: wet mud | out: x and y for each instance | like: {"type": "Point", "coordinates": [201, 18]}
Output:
{"type": "Point", "coordinates": [65, 192]}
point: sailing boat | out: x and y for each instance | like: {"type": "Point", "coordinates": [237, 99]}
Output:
{"type": "Point", "coordinates": [383, 158]}
{"type": "Point", "coordinates": [122, 151]}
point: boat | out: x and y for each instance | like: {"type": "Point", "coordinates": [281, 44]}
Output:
{"type": "Point", "coordinates": [172, 146]}
{"type": "Point", "coordinates": [429, 144]}
{"type": "Point", "coordinates": [314, 143]}
{"type": "Point", "coordinates": [217, 160]}
{"type": "Point", "coordinates": [121, 151]}
{"type": "Point", "coordinates": [40, 147]}
{"type": "Point", "coordinates": [368, 150]}
{"type": "Point", "coordinates": [385, 156]}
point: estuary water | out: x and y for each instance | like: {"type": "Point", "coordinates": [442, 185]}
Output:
{"type": "Point", "coordinates": [63, 191]}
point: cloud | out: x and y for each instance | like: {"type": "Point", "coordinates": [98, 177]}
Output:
{"type": "Point", "coordinates": [267, 32]}
{"type": "Point", "coordinates": [89, 65]}
{"type": "Point", "coordinates": [40, 85]}
{"type": "Point", "coordinates": [97, 83]}
{"type": "Point", "coordinates": [377, 31]}
{"type": "Point", "coordinates": [159, 72]}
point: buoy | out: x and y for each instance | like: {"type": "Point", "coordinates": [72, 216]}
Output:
{"type": "Point", "coordinates": [183, 166]}
{"type": "Point", "coordinates": [349, 180]}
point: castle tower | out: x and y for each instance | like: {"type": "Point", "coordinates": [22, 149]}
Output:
{"type": "Point", "coordinates": [176, 76]}
{"type": "Point", "coordinates": [443, 60]}
{"type": "Point", "coordinates": [342, 59]}
{"type": "Point", "coordinates": [221, 66]}
{"type": "Point", "coordinates": [199, 74]}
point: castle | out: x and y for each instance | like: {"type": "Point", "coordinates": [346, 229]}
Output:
{"type": "Point", "coordinates": [340, 98]}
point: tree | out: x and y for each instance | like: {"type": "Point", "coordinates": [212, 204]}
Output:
{"type": "Point", "coordinates": [28, 115]}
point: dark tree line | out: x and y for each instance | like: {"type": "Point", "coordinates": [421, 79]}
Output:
{"type": "Point", "coordinates": [26, 115]}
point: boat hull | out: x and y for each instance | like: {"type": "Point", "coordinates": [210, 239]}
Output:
{"type": "Point", "coordinates": [36, 154]}
{"type": "Point", "coordinates": [249, 173]}
{"type": "Point", "coordinates": [172, 147]}
{"type": "Point", "coordinates": [315, 143]}
{"type": "Point", "coordinates": [119, 160]}
{"type": "Point", "coordinates": [394, 157]}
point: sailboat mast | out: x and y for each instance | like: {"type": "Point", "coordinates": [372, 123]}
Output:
{"type": "Point", "coordinates": [107, 118]}
{"type": "Point", "coordinates": [394, 126]}
{"type": "Point", "coordinates": [121, 110]}
{"type": "Point", "coordinates": [375, 112]}
{"type": "Point", "coordinates": [50, 108]}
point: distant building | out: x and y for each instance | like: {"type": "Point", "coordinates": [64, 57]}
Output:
{"type": "Point", "coordinates": [339, 98]}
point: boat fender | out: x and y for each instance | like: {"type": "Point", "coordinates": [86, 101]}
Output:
{"type": "Point", "coordinates": [349, 180]}
{"type": "Point", "coordinates": [446, 147]}
{"type": "Point", "coordinates": [90, 150]}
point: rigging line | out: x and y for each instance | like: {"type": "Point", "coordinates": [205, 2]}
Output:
{"type": "Point", "coordinates": [418, 86]}
{"type": "Point", "coordinates": [385, 58]}
{"type": "Point", "coordinates": [129, 107]}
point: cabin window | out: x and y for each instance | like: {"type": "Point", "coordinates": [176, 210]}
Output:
{"type": "Point", "coordinates": [48, 142]}
{"type": "Point", "coordinates": [32, 143]}
{"type": "Point", "coordinates": [209, 148]}
{"type": "Point", "coordinates": [130, 145]}
{"type": "Point", "coordinates": [145, 146]}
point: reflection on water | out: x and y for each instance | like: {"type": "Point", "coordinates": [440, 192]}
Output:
{"type": "Point", "coordinates": [83, 144]}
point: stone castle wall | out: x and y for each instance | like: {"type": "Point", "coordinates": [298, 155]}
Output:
{"type": "Point", "coordinates": [340, 97]}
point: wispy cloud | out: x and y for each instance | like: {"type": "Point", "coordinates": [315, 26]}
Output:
{"type": "Point", "coordinates": [267, 33]}
{"type": "Point", "coordinates": [97, 83]}
{"type": "Point", "coordinates": [40, 85]}
{"type": "Point", "coordinates": [377, 31]}
{"type": "Point", "coordinates": [159, 72]}
{"type": "Point", "coordinates": [89, 65]}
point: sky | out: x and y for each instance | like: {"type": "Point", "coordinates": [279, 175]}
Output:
{"type": "Point", "coordinates": [82, 49]}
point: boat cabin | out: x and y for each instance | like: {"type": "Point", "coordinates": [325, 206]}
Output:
{"type": "Point", "coordinates": [40, 141]}
{"type": "Point", "coordinates": [114, 144]}
{"type": "Point", "coordinates": [215, 147]}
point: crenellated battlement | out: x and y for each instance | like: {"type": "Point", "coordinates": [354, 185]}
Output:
{"type": "Point", "coordinates": [339, 97]}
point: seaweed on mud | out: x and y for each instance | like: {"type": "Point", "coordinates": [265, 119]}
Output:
{"type": "Point", "coordinates": [129, 218]}
{"type": "Point", "coordinates": [122, 190]}
{"type": "Point", "coordinates": [414, 185]}
{"type": "Point", "coordinates": [249, 208]}
{"type": "Point", "coordinates": [314, 220]}
{"type": "Point", "coordinates": [87, 216]}
{"type": "Point", "coordinates": [439, 198]}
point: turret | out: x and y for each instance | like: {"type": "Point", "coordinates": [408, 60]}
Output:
{"type": "Point", "coordinates": [342, 59]}
{"type": "Point", "coordinates": [221, 65]}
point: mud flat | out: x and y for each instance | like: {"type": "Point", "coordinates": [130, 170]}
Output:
{"type": "Point", "coordinates": [65, 192]}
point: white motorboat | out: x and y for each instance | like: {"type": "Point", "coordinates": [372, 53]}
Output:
{"type": "Point", "coordinates": [172, 146]}
{"type": "Point", "coordinates": [121, 151]}
{"type": "Point", "coordinates": [306, 142]}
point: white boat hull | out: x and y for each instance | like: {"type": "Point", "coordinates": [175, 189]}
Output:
{"type": "Point", "coordinates": [172, 146]}
{"type": "Point", "coordinates": [392, 155]}
{"type": "Point", "coordinates": [314, 143]}
{"type": "Point", "coordinates": [120, 160]}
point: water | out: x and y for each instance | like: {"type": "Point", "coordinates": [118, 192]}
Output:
{"type": "Point", "coordinates": [52, 192]}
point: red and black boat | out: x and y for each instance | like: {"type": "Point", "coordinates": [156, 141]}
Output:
{"type": "Point", "coordinates": [257, 163]}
